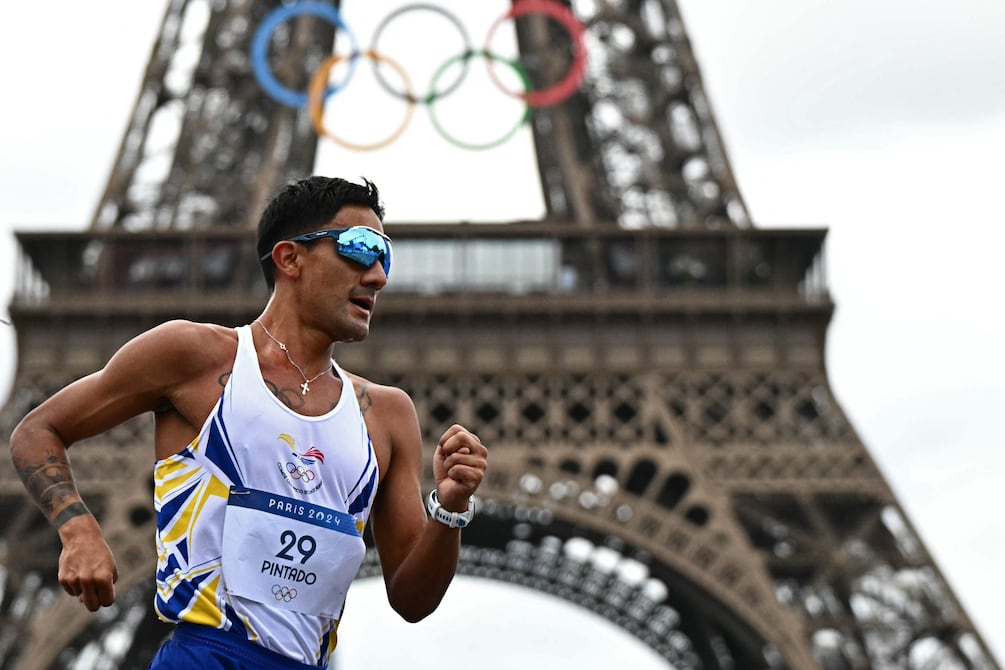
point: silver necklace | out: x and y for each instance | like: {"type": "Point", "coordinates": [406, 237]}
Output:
{"type": "Point", "coordinates": [306, 386]}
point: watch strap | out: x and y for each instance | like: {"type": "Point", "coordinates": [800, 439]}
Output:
{"type": "Point", "coordinates": [447, 518]}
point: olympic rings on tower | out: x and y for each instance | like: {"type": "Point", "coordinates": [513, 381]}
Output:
{"type": "Point", "coordinates": [489, 57]}
{"type": "Point", "coordinates": [260, 48]}
{"type": "Point", "coordinates": [317, 87]}
{"type": "Point", "coordinates": [319, 90]}
{"type": "Point", "coordinates": [432, 94]}
{"type": "Point", "coordinates": [567, 86]}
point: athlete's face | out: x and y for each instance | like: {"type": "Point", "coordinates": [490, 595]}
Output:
{"type": "Point", "coordinates": [344, 291]}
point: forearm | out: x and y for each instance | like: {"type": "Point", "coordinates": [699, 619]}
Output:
{"type": "Point", "coordinates": [40, 458]}
{"type": "Point", "coordinates": [418, 585]}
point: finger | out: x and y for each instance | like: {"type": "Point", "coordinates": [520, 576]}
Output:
{"type": "Point", "coordinates": [69, 581]}
{"type": "Point", "coordinates": [449, 452]}
{"type": "Point", "coordinates": [89, 598]}
{"type": "Point", "coordinates": [105, 592]}
{"type": "Point", "coordinates": [468, 477]}
{"type": "Point", "coordinates": [458, 432]}
{"type": "Point", "coordinates": [71, 588]}
{"type": "Point", "coordinates": [472, 458]}
{"type": "Point", "coordinates": [449, 432]}
{"type": "Point", "coordinates": [459, 458]}
{"type": "Point", "coordinates": [462, 441]}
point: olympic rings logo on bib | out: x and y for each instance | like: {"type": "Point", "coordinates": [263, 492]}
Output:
{"type": "Point", "coordinates": [320, 90]}
{"type": "Point", "coordinates": [284, 593]}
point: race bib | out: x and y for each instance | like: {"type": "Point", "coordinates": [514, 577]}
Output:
{"type": "Point", "coordinates": [289, 553]}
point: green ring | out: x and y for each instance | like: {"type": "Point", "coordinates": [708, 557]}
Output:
{"type": "Point", "coordinates": [516, 66]}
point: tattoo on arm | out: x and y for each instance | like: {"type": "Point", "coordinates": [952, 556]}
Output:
{"type": "Point", "coordinates": [364, 399]}
{"type": "Point", "coordinates": [69, 512]}
{"type": "Point", "coordinates": [50, 484]}
{"type": "Point", "coordinates": [224, 378]}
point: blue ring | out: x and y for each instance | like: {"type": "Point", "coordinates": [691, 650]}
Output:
{"type": "Point", "coordinates": [260, 49]}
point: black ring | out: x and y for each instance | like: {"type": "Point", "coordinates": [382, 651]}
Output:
{"type": "Point", "coordinates": [431, 95]}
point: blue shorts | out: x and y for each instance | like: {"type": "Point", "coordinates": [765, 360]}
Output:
{"type": "Point", "coordinates": [192, 646]}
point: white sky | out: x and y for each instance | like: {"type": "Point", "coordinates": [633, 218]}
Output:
{"type": "Point", "coordinates": [883, 120]}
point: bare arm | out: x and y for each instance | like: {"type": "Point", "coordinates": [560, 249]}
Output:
{"type": "Point", "coordinates": [419, 557]}
{"type": "Point", "coordinates": [46, 475]}
{"type": "Point", "coordinates": [134, 381]}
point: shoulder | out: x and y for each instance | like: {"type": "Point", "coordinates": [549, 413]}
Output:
{"type": "Point", "coordinates": [391, 421]}
{"type": "Point", "coordinates": [185, 344]}
{"type": "Point", "coordinates": [180, 334]}
{"type": "Point", "coordinates": [193, 331]}
{"type": "Point", "coordinates": [380, 398]}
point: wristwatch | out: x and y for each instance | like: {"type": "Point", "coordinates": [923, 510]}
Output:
{"type": "Point", "coordinates": [452, 519]}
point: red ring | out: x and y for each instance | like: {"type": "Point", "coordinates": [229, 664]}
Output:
{"type": "Point", "coordinates": [568, 85]}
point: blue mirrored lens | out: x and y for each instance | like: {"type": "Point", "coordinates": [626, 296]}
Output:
{"type": "Point", "coordinates": [365, 246]}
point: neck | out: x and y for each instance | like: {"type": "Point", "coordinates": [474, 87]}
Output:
{"type": "Point", "coordinates": [305, 374]}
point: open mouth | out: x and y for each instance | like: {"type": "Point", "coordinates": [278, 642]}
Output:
{"type": "Point", "coordinates": [364, 303]}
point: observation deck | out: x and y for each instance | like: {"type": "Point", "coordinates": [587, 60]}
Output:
{"type": "Point", "coordinates": [542, 298]}
{"type": "Point", "coordinates": [462, 268]}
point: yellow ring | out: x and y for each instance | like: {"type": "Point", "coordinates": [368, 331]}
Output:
{"type": "Point", "coordinates": [315, 100]}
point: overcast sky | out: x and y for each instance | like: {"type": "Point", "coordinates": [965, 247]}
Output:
{"type": "Point", "coordinates": [883, 120]}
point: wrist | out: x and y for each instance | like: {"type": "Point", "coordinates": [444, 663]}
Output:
{"type": "Point", "coordinates": [72, 519]}
{"type": "Point", "coordinates": [458, 519]}
{"type": "Point", "coordinates": [452, 503]}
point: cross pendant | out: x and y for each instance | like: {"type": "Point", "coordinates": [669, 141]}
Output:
{"type": "Point", "coordinates": [304, 388]}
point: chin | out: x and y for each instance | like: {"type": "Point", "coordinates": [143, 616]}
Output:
{"type": "Point", "coordinates": [357, 334]}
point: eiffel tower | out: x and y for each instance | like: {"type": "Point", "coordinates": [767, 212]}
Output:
{"type": "Point", "coordinates": [666, 449]}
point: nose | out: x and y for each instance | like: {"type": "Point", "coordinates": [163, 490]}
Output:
{"type": "Point", "coordinates": [375, 276]}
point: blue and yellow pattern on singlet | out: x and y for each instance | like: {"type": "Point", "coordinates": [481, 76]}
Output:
{"type": "Point", "coordinates": [251, 439]}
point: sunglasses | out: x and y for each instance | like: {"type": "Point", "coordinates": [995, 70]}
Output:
{"type": "Point", "coordinates": [363, 245]}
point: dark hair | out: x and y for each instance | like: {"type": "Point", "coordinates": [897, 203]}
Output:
{"type": "Point", "coordinates": [305, 206]}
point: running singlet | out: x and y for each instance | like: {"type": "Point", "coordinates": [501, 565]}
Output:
{"type": "Point", "coordinates": [259, 519]}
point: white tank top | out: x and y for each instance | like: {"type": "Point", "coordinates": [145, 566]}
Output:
{"type": "Point", "coordinates": [259, 519]}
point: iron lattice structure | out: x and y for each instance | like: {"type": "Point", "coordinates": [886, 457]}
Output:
{"type": "Point", "coordinates": [666, 450]}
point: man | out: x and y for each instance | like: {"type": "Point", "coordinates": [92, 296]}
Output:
{"type": "Point", "coordinates": [269, 455]}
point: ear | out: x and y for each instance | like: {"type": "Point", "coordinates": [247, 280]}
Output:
{"type": "Point", "coordinates": [286, 258]}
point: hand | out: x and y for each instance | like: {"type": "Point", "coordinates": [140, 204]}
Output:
{"type": "Point", "coordinates": [458, 466]}
{"type": "Point", "coordinates": [87, 568]}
